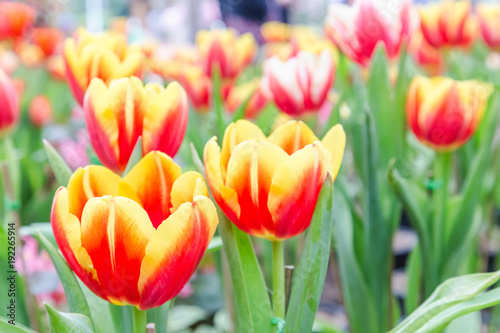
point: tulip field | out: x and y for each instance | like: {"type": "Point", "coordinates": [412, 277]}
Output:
{"type": "Point", "coordinates": [267, 166]}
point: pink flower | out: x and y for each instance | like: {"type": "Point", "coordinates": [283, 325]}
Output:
{"type": "Point", "coordinates": [357, 30]}
{"type": "Point", "coordinates": [300, 84]}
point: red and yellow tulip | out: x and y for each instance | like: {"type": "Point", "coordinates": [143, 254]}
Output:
{"type": "Point", "coordinates": [443, 113]}
{"type": "Point", "coordinates": [225, 50]}
{"type": "Point", "coordinates": [135, 240]}
{"type": "Point", "coordinates": [258, 181]}
{"type": "Point", "coordinates": [488, 16]}
{"type": "Point", "coordinates": [105, 56]}
{"type": "Point", "coordinates": [358, 29]}
{"type": "Point", "coordinates": [15, 19]}
{"type": "Point", "coordinates": [198, 86]}
{"type": "Point", "coordinates": [448, 23]}
{"type": "Point", "coordinates": [116, 115]}
{"type": "Point", "coordinates": [300, 84]}
{"type": "Point", "coordinates": [252, 91]}
{"type": "Point", "coordinates": [425, 55]}
{"type": "Point", "coordinates": [9, 104]}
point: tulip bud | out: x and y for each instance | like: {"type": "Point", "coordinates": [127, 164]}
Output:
{"type": "Point", "coordinates": [444, 113]}
{"type": "Point", "coordinates": [488, 16]}
{"type": "Point", "coordinates": [118, 113]}
{"type": "Point", "coordinates": [9, 105]}
{"type": "Point", "coordinates": [300, 84]}
{"type": "Point", "coordinates": [40, 111]}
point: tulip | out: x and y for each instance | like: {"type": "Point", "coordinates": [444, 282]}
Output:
{"type": "Point", "coordinates": [116, 115]}
{"type": "Point", "coordinates": [253, 92]}
{"type": "Point", "coordinates": [273, 32]}
{"type": "Point", "coordinates": [425, 55]}
{"type": "Point", "coordinates": [15, 19]}
{"type": "Point", "coordinates": [300, 84]}
{"type": "Point", "coordinates": [135, 240]}
{"type": "Point", "coordinates": [40, 111]}
{"type": "Point", "coordinates": [443, 113]}
{"type": "Point", "coordinates": [306, 39]}
{"type": "Point", "coordinates": [488, 16]}
{"type": "Point", "coordinates": [55, 66]}
{"type": "Point", "coordinates": [105, 56]}
{"type": "Point", "coordinates": [48, 39]}
{"type": "Point", "coordinates": [198, 86]}
{"type": "Point", "coordinates": [358, 29]}
{"type": "Point", "coordinates": [448, 23]}
{"type": "Point", "coordinates": [226, 51]}
{"type": "Point", "coordinates": [258, 182]}
{"type": "Point", "coordinates": [9, 105]}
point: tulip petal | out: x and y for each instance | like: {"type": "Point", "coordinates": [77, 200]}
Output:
{"type": "Point", "coordinates": [226, 197]}
{"type": "Point", "coordinates": [67, 233]}
{"type": "Point", "coordinates": [89, 182]}
{"type": "Point", "coordinates": [250, 171]}
{"type": "Point", "coordinates": [115, 233]}
{"type": "Point", "coordinates": [334, 141]}
{"type": "Point", "coordinates": [165, 119]}
{"type": "Point", "coordinates": [186, 187]}
{"type": "Point", "coordinates": [152, 179]}
{"type": "Point", "coordinates": [295, 188]}
{"type": "Point", "coordinates": [175, 250]}
{"type": "Point", "coordinates": [292, 136]}
{"type": "Point", "coordinates": [235, 134]}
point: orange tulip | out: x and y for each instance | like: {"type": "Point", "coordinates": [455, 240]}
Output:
{"type": "Point", "coordinates": [273, 32]}
{"type": "Point", "coordinates": [55, 66]}
{"type": "Point", "coordinates": [239, 94]}
{"type": "Point", "coordinates": [224, 49]}
{"type": "Point", "coordinates": [488, 16]}
{"type": "Point", "coordinates": [105, 56]}
{"type": "Point", "coordinates": [300, 84]}
{"type": "Point", "coordinates": [48, 39]}
{"type": "Point", "coordinates": [448, 23]}
{"type": "Point", "coordinates": [268, 187]}
{"type": "Point", "coordinates": [443, 113]}
{"type": "Point", "coordinates": [116, 115]}
{"type": "Point", "coordinates": [135, 240]}
{"type": "Point", "coordinates": [40, 111]}
{"type": "Point", "coordinates": [15, 19]}
{"type": "Point", "coordinates": [9, 104]}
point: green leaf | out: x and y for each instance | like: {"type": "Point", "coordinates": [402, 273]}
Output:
{"type": "Point", "coordinates": [32, 230]}
{"type": "Point", "coordinates": [61, 170]}
{"type": "Point", "coordinates": [197, 162]}
{"type": "Point", "coordinates": [265, 120]}
{"type": "Point", "coordinates": [60, 322]}
{"type": "Point", "coordinates": [101, 314]}
{"type": "Point", "coordinates": [252, 304]}
{"type": "Point", "coordinates": [74, 294]}
{"type": "Point", "coordinates": [5, 327]}
{"type": "Point", "coordinates": [309, 276]}
{"type": "Point", "coordinates": [217, 100]}
{"type": "Point", "coordinates": [414, 278]}
{"type": "Point", "coordinates": [184, 316]}
{"type": "Point", "coordinates": [121, 317]}
{"type": "Point", "coordinates": [441, 305]}
{"type": "Point", "coordinates": [354, 287]}
{"type": "Point", "coordinates": [135, 157]}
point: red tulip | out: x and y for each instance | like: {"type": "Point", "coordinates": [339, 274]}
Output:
{"type": "Point", "coordinates": [9, 104]}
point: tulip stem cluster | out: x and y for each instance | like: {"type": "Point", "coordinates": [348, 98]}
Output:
{"type": "Point", "coordinates": [139, 320]}
{"type": "Point", "coordinates": [278, 280]}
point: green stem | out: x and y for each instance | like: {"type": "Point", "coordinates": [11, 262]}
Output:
{"type": "Point", "coordinates": [139, 323]}
{"type": "Point", "coordinates": [442, 166]}
{"type": "Point", "coordinates": [278, 280]}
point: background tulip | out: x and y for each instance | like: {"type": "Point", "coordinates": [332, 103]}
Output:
{"type": "Point", "coordinates": [105, 56]}
{"type": "Point", "coordinates": [358, 29]}
{"type": "Point", "coordinates": [116, 115]}
{"type": "Point", "coordinates": [131, 240]}
{"type": "Point", "coordinates": [15, 19]}
{"type": "Point", "coordinates": [257, 181]}
{"type": "Point", "coordinates": [48, 39]}
{"type": "Point", "coordinates": [224, 49]}
{"type": "Point", "coordinates": [488, 16]}
{"type": "Point", "coordinates": [448, 23]}
{"type": "Point", "coordinates": [300, 84]}
{"type": "Point", "coordinates": [40, 111]}
{"type": "Point", "coordinates": [253, 92]}
{"type": "Point", "coordinates": [9, 104]}
{"type": "Point", "coordinates": [443, 113]}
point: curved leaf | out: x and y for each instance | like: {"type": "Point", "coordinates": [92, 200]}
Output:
{"type": "Point", "coordinates": [61, 170]}
{"type": "Point", "coordinates": [60, 322]}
